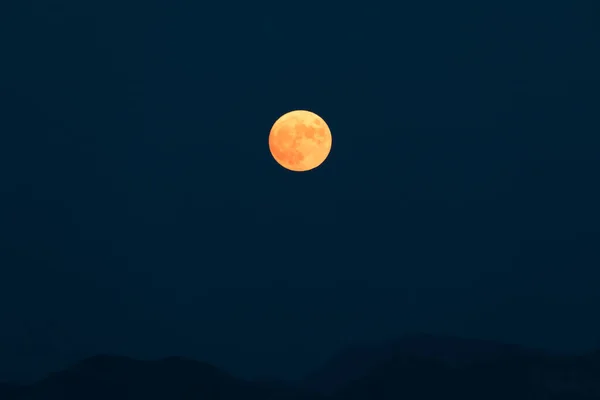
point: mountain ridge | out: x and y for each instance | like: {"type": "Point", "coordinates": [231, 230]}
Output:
{"type": "Point", "coordinates": [355, 361]}
{"type": "Point", "coordinates": [411, 367]}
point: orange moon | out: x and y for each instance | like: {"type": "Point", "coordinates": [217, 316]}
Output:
{"type": "Point", "coordinates": [300, 140]}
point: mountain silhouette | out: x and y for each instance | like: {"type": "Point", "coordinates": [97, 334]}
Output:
{"type": "Point", "coordinates": [173, 378]}
{"type": "Point", "coordinates": [494, 372]}
{"type": "Point", "coordinates": [9, 390]}
{"type": "Point", "coordinates": [104, 377]}
{"type": "Point", "coordinates": [417, 367]}
{"type": "Point", "coordinates": [357, 361]}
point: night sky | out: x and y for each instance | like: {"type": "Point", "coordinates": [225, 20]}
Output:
{"type": "Point", "coordinates": [142, 214]}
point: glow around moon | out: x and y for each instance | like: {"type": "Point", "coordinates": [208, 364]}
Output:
{"type": "Point", "coordinates": [300, 140]}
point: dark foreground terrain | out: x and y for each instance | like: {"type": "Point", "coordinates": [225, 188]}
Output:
{"type": "Point", "coordinates": [416, 367]}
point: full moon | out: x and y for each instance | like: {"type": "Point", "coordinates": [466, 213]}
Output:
{"type": "Point", "coordinates": [300, 140]}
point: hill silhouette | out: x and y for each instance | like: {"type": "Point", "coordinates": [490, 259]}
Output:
{"type": "Point", "coordinates": [428, 367]}
{"type": "Point", "coordinates": [8, 390]}
{"type": "Point", "coordinates": [116, 377]}
{"type": "Point", "coordinates": [355, 362]}
{"type": "Point", "coordinates": [103, 377]}
{"type": "Point", "coordinates": [414, 367]}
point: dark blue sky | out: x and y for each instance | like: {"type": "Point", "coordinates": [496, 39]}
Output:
{"type": "Point", "coordinates": [142, 214]}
